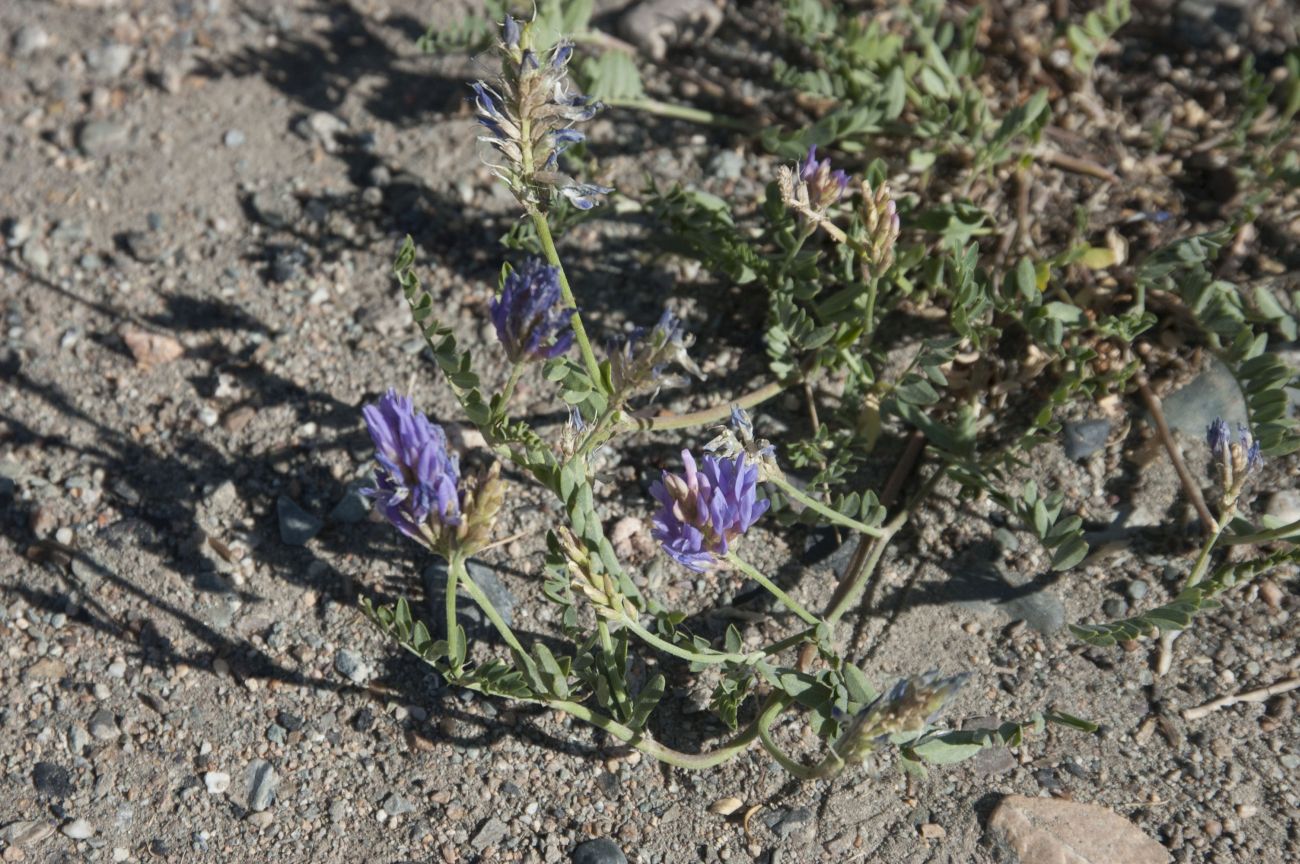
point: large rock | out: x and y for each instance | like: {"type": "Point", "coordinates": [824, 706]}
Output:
{"type": "Point", "coordinates": [1056, 831]}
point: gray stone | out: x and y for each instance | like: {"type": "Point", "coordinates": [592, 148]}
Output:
{"type": "Point", "coordinates": [491, 833]}
{"type": "Point", "coordinates": [36, 256]}
{"type": "Point", "coordinates": [78, 829]}
{"type": "Point", "coordinates": [1137, 589]}
{"type": "Point", "coordinates": [102, 725]}
{"type": "Point", "coordinates": [1213, 393]}
{"type": "Point", "coordinates": [1083, 438]}
{"type": "Point", "coordinates": [1284, 505]}
{"type": "Point", "coordinates": [262, 784]}
{"type": "Point", "coordinates": [602, 850]}
{"type": "Point", "coordinates": [396, 805]}
{"type": "Point", "coordinates": [297, 526]}
{"type": "Point", "coordinates": [984, 586]}
{"type": "Point", "coordinates": [78, 739]}
{"type": "Point", "coordinates": [727, 165]}
{"type": "Point", "coordinates": [101, 137]}
{"type": "Point", "coordinates": [277, 208]}
{"type": "Point", "coordinates": [145, 246]}
{"type": "Point", "coordinates": [30, 40]}
{"type": "Point", "coordinates": [109, 61]}
{"type": "Point", "coordinates": [350, 665]}
{"type": "Point", "coordinates": [233, 138]}
{"type": "Point", "coordinates": [353, 507]}
{"type": "Point", "coordinates": [435, 581]}
{"type": "Point", "coordinates": [656, 25]}
{"type": "Point", "coordinates": [1114, 608]}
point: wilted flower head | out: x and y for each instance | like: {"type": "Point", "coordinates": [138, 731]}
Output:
{"type": "Point", "coordinates": [703, 511]}
{"type": "Point", "coordinates": [640, 359]}
{"type": "Point", "coordinates": [811, 188]}
{"type": "Point", "coordinates": [417, 481]}
{"type": "Point", "coordinates": [910, 706]}
{"type": "Point", "coordinates": [825, 187]}
{"type": "Point", "coordinates": [528, 316]}
{"type": "Point", "coordinates": [738, 438]}
{"type": "Point", "coordinates": [528, 115]}
{"type": "Point", "coordinates": [1236, 460]}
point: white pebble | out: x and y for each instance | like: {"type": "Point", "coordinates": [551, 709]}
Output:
{"type": "Point", "coordinates": [217, 782]}
{"type": "Point", "coordinates": [78, 829]}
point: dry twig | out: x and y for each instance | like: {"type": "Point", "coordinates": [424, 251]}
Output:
{"type": "Point", "coordinates": [1263, 694]}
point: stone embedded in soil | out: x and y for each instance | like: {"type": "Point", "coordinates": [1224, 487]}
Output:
{"type": "Point", "coordinates": [1058, 831]}
{"type": "Point", "coordinates": [352, 507]}
{"type": "Point", "coordinates": [297, 526]}
{"type": "Point", "coordinates": [1082, 439]}
{"type": "Point", "coordinates": [492, 832]}
{"type": "Point", "coordinates": [435, 583]}
{"type": "Point", "coordinates": [109, 61]}
{"type": "Point", "coordinates": [216, 782]}
{"type": "Point", "coordinates": [1284, 505]}
{"type": "Point", "coordinates": [1213, 393]}
{"type": "Point", "coordinates": [26, 833]}
{"type": "Point", "coordinates": [602, 850]}
{"type": "Point", "coordinates": [985, 586]}
{"type": "Point", "coordinates": [103, 725]}
{"type": "Point", "coordinates": [262, 783]}
{"type": "Point", "coordinates": [396, 805]}
{"type": "Point", "coordinates": [145, 246]}
{"type": "Point", "coordinates": [53, 780]}
{"type": "Point", "coordinates": [350, 665]}
{"type": "Point", "coordinates": [151, 349]}
{"type": "Point", "coordinates": [101, 137]}
{"type": "Point", "coordinates": [78, 829]}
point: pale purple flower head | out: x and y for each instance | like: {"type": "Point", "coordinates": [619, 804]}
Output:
{"type": "Point", "coordinates": [825, 186]}
{"type": "Point", "coordinates": [415, 476]}
{"type": "Point", "coordinates": [703, 512]}
{"type": "Point", "coordinates": [529, 317]}
{"type": "Point", "coordinates": [1237, 458]}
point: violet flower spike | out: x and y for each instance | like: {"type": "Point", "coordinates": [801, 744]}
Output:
{"type": "Point", "coordinates": [415, 480]}
{"type": "Point", "coordinates": [529, 317]}
{"type": "Point", "coordinates": [706, 509]}
{"type": "Point", "coordinates": [1217, 436]}
{"type": "Point", "coordinates": [527, 114]}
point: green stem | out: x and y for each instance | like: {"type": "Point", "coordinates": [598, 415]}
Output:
{"type": "Point", "coordinates": [454, 569]}
{"type": "Point", "coordinates": [813, 504]}
{"type": "Point", "coordinates": [553, 258]}
{"type": "Point", "coordinates": [786, 600]}
{"type": "Point", "coordinates": [682, 112]}
{"type": "Point", "coordinates": [1267, 536]}
{"type": "Point", "coordinates": [516, 371]}
{"type": "Point", "coordinates": [706, 416]}
{"type": "Point", "coordinates": [713, 658]}
{"type": "Point", "coordinates": [692, 761]}
{"type": "Point", "coordinates": [476, 594]}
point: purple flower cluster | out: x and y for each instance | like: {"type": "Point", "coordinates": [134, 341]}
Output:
{"type": "Point", "coordinates": [528, 316]}
{"type": "Point", "coordinates": [705, 510]}
{"type": "Point", "coordinates": [415, 477]}
{"type": "Point", "coordinates": [527, 117]}
{"type": "Point", "coordinates": [825, 186]}
{"type": "Point", "coordinates": [1241, 456]}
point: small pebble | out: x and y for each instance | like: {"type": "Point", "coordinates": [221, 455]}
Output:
{"type": "Point", "coordinates": [78, 829]}
{"type": "Point", "coordinates": [233, 138]}
{"type": "Point", "coordinates": [217, 782]}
